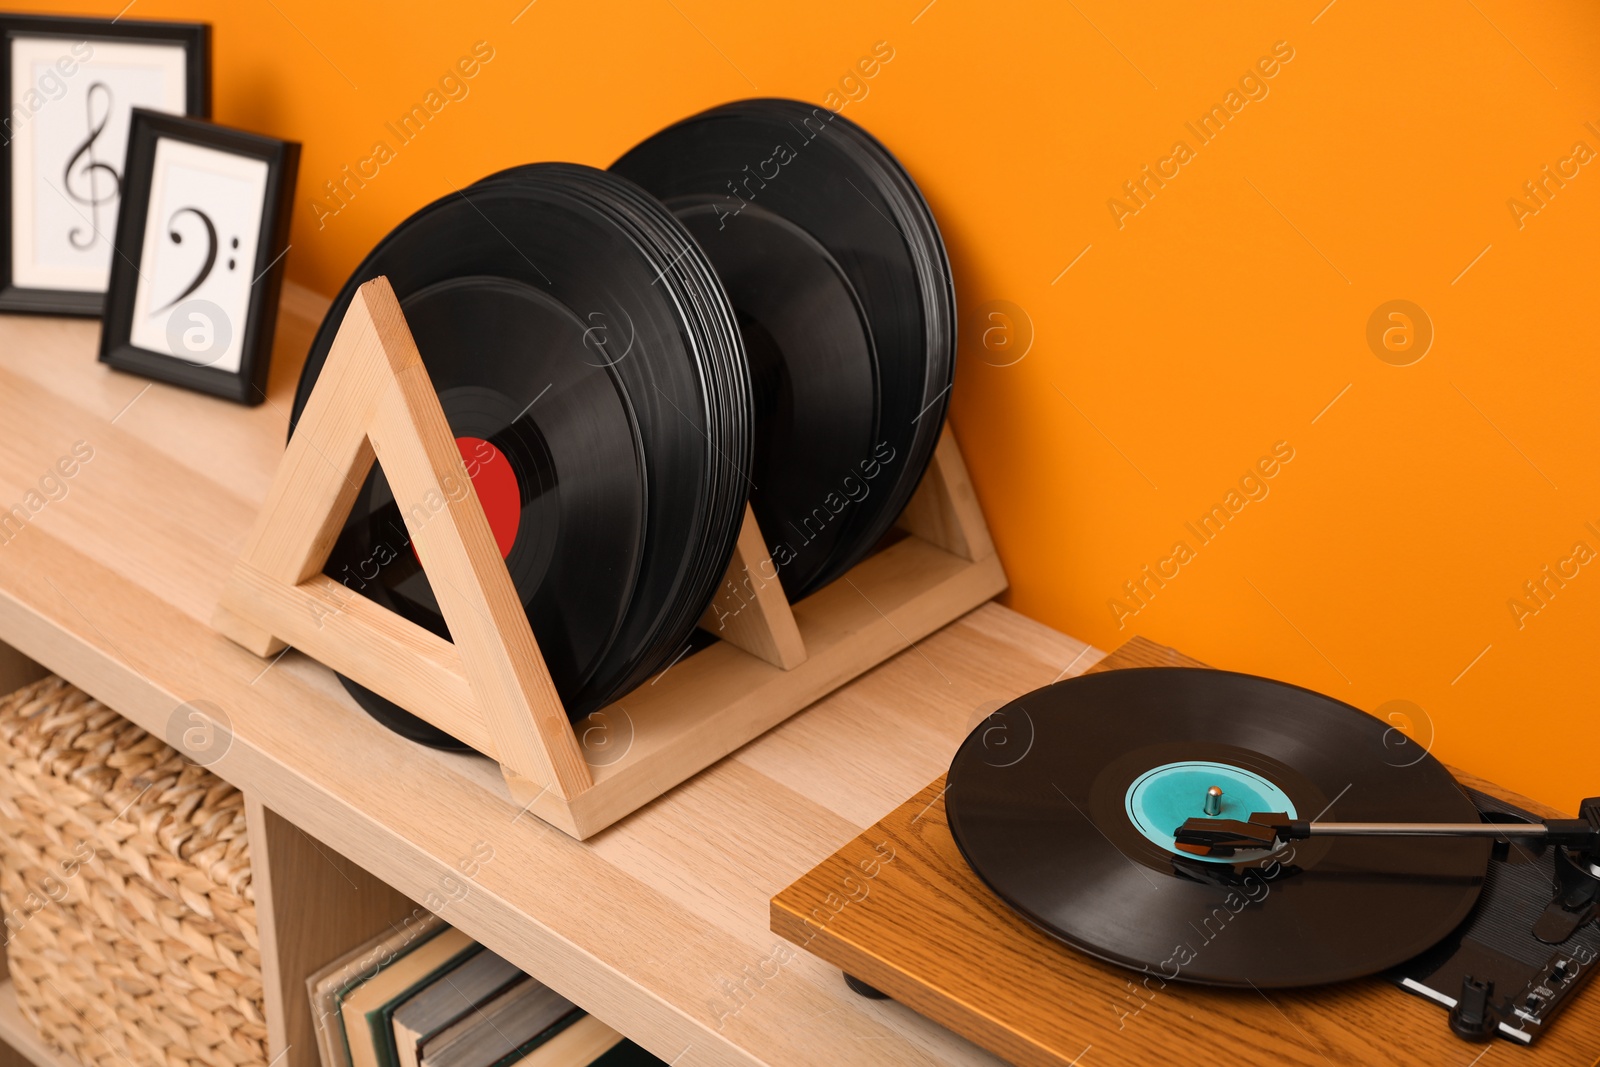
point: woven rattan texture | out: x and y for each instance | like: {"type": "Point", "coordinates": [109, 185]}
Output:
{"type": "Point", "coordinates": [130, 920]}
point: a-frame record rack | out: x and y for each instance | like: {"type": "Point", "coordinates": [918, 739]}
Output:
{"type": "Point", "coordinates": [489, 687]}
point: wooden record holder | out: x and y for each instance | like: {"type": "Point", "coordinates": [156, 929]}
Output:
{"type": "Point", "coordinates": [490, 688]}
{"type": "Point", "coordinates": [898, 909]}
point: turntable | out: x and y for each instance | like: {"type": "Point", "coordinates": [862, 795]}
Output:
{"type": "Point", "coordinates": [1139, 863]}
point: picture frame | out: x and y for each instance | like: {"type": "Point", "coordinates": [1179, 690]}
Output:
{"type": "Point", "coordinates": [201, 241]}
{"type": "Point", "coordinates": [67, 90]}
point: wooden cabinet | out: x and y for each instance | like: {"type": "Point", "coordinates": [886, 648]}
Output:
{"type": "Point", "coordinates": [656, 924]}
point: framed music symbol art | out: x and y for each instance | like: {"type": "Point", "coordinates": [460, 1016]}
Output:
{"type": "Point", "coordinates": [68, 87]}
{"type": "Point", "coordinates": [199, 255]}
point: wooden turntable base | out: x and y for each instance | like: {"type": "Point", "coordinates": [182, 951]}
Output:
{"type": "Point", "coordinates": [898, 909]}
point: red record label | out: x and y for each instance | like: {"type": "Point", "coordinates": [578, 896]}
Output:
{"type": "Point", "coordinates": [496, 485]}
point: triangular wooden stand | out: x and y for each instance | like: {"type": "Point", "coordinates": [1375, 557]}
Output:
{"type": "Point", "coordinates": [490, 687]}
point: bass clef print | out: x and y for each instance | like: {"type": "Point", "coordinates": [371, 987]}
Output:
{"type": "Point", "coordinates": [103, 182]}
{"type": "Point", "coordinates": [207, 262]}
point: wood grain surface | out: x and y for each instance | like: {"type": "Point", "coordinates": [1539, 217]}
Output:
{"type": "Point", "coordinates": [900, 909]}
{"type": "Point", "coordinates": [659, 924]}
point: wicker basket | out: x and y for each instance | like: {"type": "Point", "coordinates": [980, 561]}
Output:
{"type": "Point", "coordinates": [130, 919]}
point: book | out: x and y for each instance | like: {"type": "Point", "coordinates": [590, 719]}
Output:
{"type": "Point", "coordinates": [625, 1054]}
{"type": "Point", "coordinates": [582, 1043]}
{"type": "Point", "coordinates": [587, 1042]}
{"type": "Point", "coordinates": [338, 977]}
{"type": "Point", "coordinates": [446, 1001]}
{"type": "Point", "coordinates": [504, 1030]}
{"type": "Point", "coordinates": [367, 1032]}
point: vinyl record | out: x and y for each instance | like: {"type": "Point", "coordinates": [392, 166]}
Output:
{"type": "Point", "coordinates": [1064, 801]}
{"type": "Point", "coordinates": [692, 546]}
{"type": "Point", "coordinates": [842, 288]}
{"type": "Point", "coordinates": [598, 394]}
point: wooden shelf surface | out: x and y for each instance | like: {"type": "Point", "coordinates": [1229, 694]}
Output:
{"type": "Point", "coordinates": [658, 925]}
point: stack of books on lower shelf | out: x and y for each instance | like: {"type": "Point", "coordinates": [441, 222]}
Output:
{"type": "Point", "coordinates": [426, 995]}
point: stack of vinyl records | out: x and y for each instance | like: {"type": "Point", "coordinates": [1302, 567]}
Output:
{"type": "Point", "coordinates": [842, 288]}
{"type": "Point", "coordinates": [426, 995]}
{"type": "Point", "coordinates": [628, 357]}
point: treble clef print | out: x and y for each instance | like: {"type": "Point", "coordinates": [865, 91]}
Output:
{"type": "Point", "coordinates": [90, 169]}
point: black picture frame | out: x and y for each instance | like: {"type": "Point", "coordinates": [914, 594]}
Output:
{"type": "Point", "coordinates": [193, 37]}
{"type": "Point", "coordinates": [247, 384]}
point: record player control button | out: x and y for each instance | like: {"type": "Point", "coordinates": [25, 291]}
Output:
{"type": "Point", "coordinates": [1473, 1017]}
{"type": "Point", "coordinates": [1214, 801]}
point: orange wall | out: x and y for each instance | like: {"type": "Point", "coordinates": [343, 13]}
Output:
{"type": "Point", "coordinates": [1218, 320]}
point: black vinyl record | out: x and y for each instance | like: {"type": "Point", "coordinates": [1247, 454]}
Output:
{"type": "Point", "coordinates": [842, 287]}
{"type": "Point", "coordinates": [1058, 800]}
{"type": "Point", "coordinates": [590, 369]}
